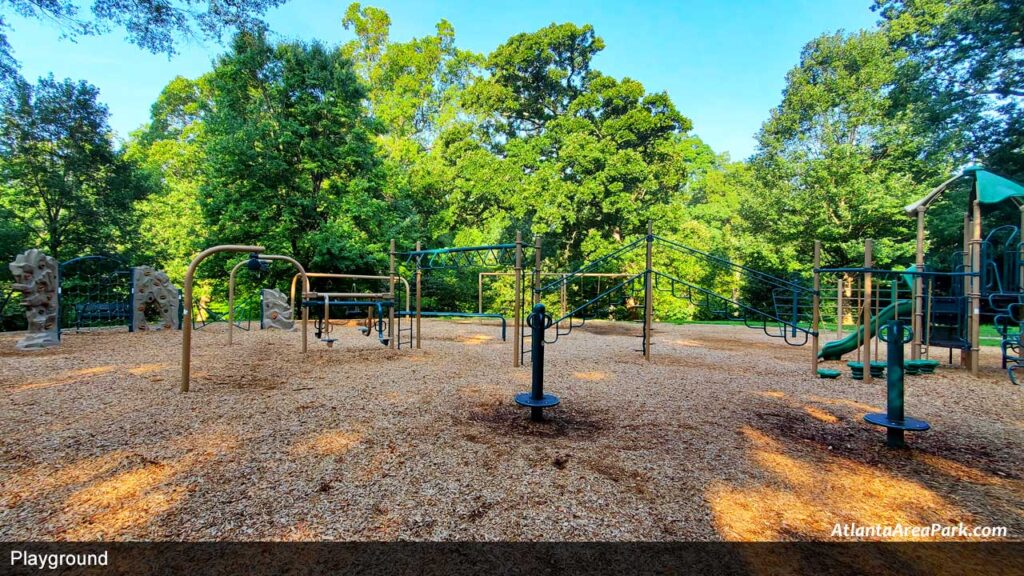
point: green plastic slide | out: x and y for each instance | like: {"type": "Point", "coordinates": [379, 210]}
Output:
{"type": "Point", "coordinates": [835, 349]}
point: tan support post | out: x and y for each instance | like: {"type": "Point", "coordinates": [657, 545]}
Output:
{"type": "Point", "coordinates": [186, 329]}
{"type": "Point", "coordinates": [391, 289]}
{"type": "Point", "coordinates": [976, 288]}
{"type": "Point", "coordinates": [918, 320]}
{"type": "Point", "coordinates": [517, 307]}
{"type": "Point", "coordinates": [816, 314]}
{"type": "Point", "coordinates": [480, 292]}
{"type": "Point", "coordinates": [868, 332]}
{"type": "Point", "coordinates": [648, 292]}
{"type": "Point", "coordinates": [419, 277]}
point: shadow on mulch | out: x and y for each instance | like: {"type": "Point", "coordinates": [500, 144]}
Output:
{"type": "Point", "coordinates": [866, 444]}
{"type": "Point", "coordinates": [510, 419]}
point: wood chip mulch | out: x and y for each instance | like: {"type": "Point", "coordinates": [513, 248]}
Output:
{"type": "Point", "coordinates": [725, 434]}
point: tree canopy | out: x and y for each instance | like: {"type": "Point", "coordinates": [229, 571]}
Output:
{"type": "Point", "coordinates": [64, 182]}
{"type": "Point", "coordinates": [328, 151]}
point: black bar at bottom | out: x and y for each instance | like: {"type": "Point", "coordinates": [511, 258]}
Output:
{"type": "Point", "coordinates": [516, 558]}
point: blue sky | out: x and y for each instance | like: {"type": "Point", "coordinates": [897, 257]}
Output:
{"type": "Point", "coordinates": [723, 63]}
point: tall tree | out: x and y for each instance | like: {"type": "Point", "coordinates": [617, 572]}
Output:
{"type": "Point", "coordinates": [832, 162]}
{"type": "Point", "coordinates": [63, 179]}
{"type": "Point", "coordinates": [564, 150]}
{"type": "Point", "coordinates": [963, 73]}
{"type": "Point", "coordinates": [413, 85]}
{"type": "Point", "coordinates": [171, 149]}
{"type": "Point", "coordinates": [290, 159]}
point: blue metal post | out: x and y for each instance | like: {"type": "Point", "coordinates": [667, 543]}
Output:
{"type": "Point", "coordinates": [895, 419]}
{"type": "Point", "coordinates": [894, 384]}
{"type": "Point", "coordinates": [536, 399]}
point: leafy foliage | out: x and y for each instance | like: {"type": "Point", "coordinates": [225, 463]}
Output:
{"type": "Point", "coordinates": [326, 153]}
{"type": "Point", "coordinates": [290, 161]}
{"type": "Point", "coordinates": [63, 180]}
{"type": "Point", "coordinates": [963, 73]}
{"type": "Point", "coordinates": [830, 160]}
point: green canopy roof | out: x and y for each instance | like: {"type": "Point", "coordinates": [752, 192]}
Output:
{"type": "Point", "coordinates": [991, 189]}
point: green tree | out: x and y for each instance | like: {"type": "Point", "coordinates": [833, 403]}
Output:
{"type": "Point", "coordinates": [833, 163]}
{"type": "Point", "coordinates": [963, 76]}
{"type": "Point", "coordinates": [290, 161]}
{"type": "Point", "coordinates": [560, 149]}
{"type": "Point", "coordinates": [64, 180]}
{"type": "Point", "coordinates": [170, 149]}
{"type": "Point", "coordinates": [415, 91]}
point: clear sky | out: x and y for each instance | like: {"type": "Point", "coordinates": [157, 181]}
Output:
{"type": "Point", "coordinates": [722, 62]}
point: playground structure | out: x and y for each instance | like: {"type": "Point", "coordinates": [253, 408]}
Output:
{"type": "Point", "coordinates": [487, 256]}
{"type": "Point", "coordinates": [92, 292]}
{"type": "Point", "coordinates": [95, 291]}
{"type": "Point", "coordinates": [256, 263]}
{"type": "Point", "coordinates": [944, 309]}
{"type": "Point", "coordinates": [254, 258]}
{"type": "Point", "coordinates": [153, 290]}
{"type": "Point", "coordinates": [275, 311]}
{"type": "Point", "coordinates": [639, 289]}
{"type": "Point", "coordinates": [36, 276]}
{"type": "Point", "coordinates": [894, 420]}
{"type": "Point", "coordinates": [355, 302]}
{"type": "Point", "coordinates": [757, 414]}
{"type": "Point", "coordinates": [563, 296]}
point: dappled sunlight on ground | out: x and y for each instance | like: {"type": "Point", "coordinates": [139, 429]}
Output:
{"type": "Point", "coordinates": [142, 369]}
{"type": "Point", "coordinates": [959, 471]}
{"type": "Point", "coordinates": [128, 499]}
{"type": "Point", "coordinates": [105, 508]}
{"type": "Point", "coordinates": [64, 378]}
{"type": "Point", "coordinates": [476, 339]}
{"type": "Point", "coordinates": [300, 532]}
{"type": "Point", "coordinates": [806, 493]}
{"type": "Point", "coordinates": [821, 415]}
{"type": "Point", "coordinates": [329, 443]}
{"type": "Point", "coordinates": [44, 476]}
{"type": "Point", "coordinates": [725, 435]}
